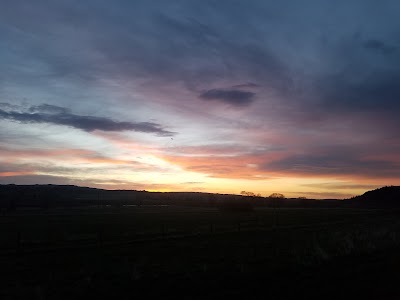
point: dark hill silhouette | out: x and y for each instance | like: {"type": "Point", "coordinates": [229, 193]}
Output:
{"type": "Point", "coordinates": [385, 197]}
{"type": "Point", "coordinates": [50, 196]}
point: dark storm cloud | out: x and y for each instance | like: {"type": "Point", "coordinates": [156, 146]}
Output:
{"type": "Point", "coordinates": [234, 97]}
{"type": "Point", "coordinates": [61, 116]}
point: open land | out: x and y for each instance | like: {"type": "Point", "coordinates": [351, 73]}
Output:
{"type": "Point", "coordinates": [198, 252]}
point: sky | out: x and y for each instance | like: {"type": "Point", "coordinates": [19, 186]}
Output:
{"type": "Point", "coordinates": [296, 97]}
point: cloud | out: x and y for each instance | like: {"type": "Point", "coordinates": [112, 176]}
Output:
{"type": "Point", "coordinates": [325, 195]}
{"type": "Point", "coordinates": [147, 40]}
{"type": "Point", "coordinates": [213, 150]}
{"type": "Point", "coordinates": [48, 108]}
{"type": "Point", "coordinates": [345, 162]}
{"type": "Point", "coordinates": [305, 78]}
{"type": "Point", "coordinates": [233, 97]}
{"type": "Point", "coordinates": [379, 46]}
{"type": "Point", "coordinates": [111, 184]}
{"type": "Point", "coordinates": [36, 179]}
{"type": "Point", "coordinates": [9, 106]}
{"type": "Point", "coordinates": [342, 186]}
{"type": "Point", "coordinates": [333, 164]}
{"type": "Point", "coordinates": [260, 166]}
{"type": "Point", "coordinates": [246, 85]}
{"type": "Point", "coordinates": [61, 116]}
{"type": "Point", "coordinates": [234, 164]}
{"type": "Point", "coordinates": [364, 90]}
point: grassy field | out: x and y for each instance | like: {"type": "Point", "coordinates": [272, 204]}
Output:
{"type": "Point", "coordinates": [196, 253]}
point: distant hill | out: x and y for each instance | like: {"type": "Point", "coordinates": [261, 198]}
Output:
{"type": "Point", "coordinates": [14, 196]}
{"type": "Point", "coordinates": [385, 197]}
{"type": "Point", "coordinates": [47, 196]}
{"type": "Point", "coordinates": [52, 196]}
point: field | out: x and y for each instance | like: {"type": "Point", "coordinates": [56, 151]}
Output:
{"type": "Point", "coordinates": [198, 253]}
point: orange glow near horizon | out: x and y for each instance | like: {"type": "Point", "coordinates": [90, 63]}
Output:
{"type": "Point", "coordinates": [193, 170]}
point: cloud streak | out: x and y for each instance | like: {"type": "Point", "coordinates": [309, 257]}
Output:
{"type": "Point", "coordinates": [377, 45]}
{"type": "Point", "coordinates": [51, 114]}
{"type": "Point", "coordinates": [233, 97]}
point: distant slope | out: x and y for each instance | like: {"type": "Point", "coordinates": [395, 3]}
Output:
{"type": "Point", "coordinates": [51, 196]}
{"type": "Point", "coordinates": [385, 197]}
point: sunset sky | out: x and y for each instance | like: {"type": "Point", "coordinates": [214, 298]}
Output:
{"type": "Point", "coordinates": [296, 97]}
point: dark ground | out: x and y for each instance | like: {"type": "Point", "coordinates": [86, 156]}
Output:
{"type": "Point", "coordinates": [189, 253]}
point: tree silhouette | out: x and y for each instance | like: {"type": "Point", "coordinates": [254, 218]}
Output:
{"type": "Point", "coordinates": [277, 196]}
{"type": "Point", "coordinates": [249, 194]}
